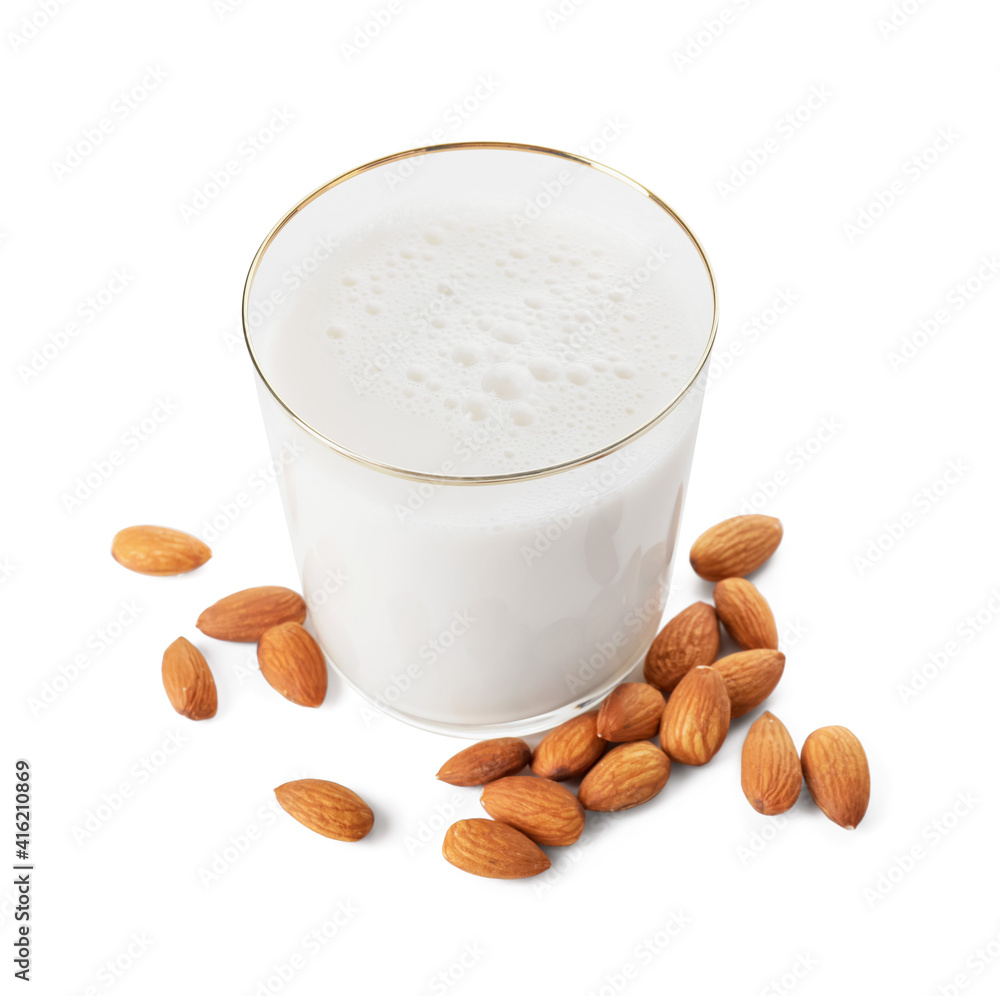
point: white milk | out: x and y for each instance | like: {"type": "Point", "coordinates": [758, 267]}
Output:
{"type": "Point", "coordinates": [452, 341]}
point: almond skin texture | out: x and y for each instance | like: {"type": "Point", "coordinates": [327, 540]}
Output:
{"type": "Point", "coordinates": [486, 761]}
{"type": "Point", "coordinates": [326, 807]}
{"type": "Point", "coordinates": [626, 776]}
{"type": "Point", "coordinates": [772, 774]}
{"type": "Point", "coordinates": [158, 550]}
{"type": "Point", "coordinates": [546, 812]}
{"type": "Point", "coordinates": [746, 615]}
{"type": "Point", "coordinates": [569, 750]}
{"type": "Point", "coordinates": [736, 547]}
{"type": "Point", "coordinates": [188, 680]}
{"type": "Point", "coordinates": [836, 771]}
{"type": "Point", "coordinates": [750, 676]}
{"type": "Point", "coordinates": [293, 664]}
{"type": "Point", "coordinates": [690, 639]}
{"type": "Point", "coordinates": [245, 616]}
{"type": "Point", "coordinates": [631, 712]}
{"type": "Point", "coordinates": [696, 719]}
{"type": "Point", "coordinates": [492, 850]}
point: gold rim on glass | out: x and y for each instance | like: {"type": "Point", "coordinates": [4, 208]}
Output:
{"type": "Point", "coordinates": [416, 475]}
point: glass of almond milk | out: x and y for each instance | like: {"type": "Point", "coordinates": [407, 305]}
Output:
{"type": "Point", "coordinates": [482, 367]}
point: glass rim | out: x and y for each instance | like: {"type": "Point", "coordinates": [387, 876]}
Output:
{"type": "Point", "coordinates": [454, 479]}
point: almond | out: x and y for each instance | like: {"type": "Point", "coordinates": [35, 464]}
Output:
{"type": "Point", "coordinates": [158, 550]}
{"type": "Point", "coordinates": [696, 719]}
{"type": "Point", "coordinates": [746, 615]}
{"type": "Point", "coordinates": [493, 850]}
{"type": "Point", "coordinates": [245, 616]}
{"type": "Point", "coordinates": [569, 750]}
{"type": "Point", "coordinates": [486, 761]}
{"type": "Point", "coordinates": [293, 664]}
{"type": "Point", "coordinates": [736, 547]}
{"type": "Point", "coordinates": [188, 680]}
{"type": "Point", "coordinates": [750, 676]}
{"type": "Point", "coordinates": [772, 774]}
{"type": "Point", "coordinates": [691, 638]}
{"type": "Point", "coordinates": [326, 807]}
{"type": "Point", "coordinates": [631, 712]}
{"type": "Point", "coordinates": [626, 776]}
{"type": "Point", "coordinates": [545, 811]}
{"type": "Point", "coordinates": [836, 771]}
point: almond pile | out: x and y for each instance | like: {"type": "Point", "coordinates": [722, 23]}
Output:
{"type": "Point", "coordinates": [689, 698]}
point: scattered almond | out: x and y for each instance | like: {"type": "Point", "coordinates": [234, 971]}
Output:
{"type": "Point", "coordinates": [696, 719]}
{"type": "Point", "coordinates": [836, 771]}
{"type": "Point", "coordinates": [750, 676]}
{"type": "Point", "coordinates": [188, 680]}
{"type": "Point", "coordinates": [245, 616]}
{"type": "Point", "coordinates": [486, 761]}
{"type": "Point", "coordinates": [158, 550]}
{"type": "Point", "coordinates": [292, 663]}
{"type": "Point", "coordinates": [690, 639]}
{"type": "Point", "coordinates": [545, 811]}
{"type": "Point", "coordinates": [570, 750]}
{"type": "Point", "coordinates": [736, 547]}
{"type": "Point", "coordinates": [772, 774]}
{"type": "Point", "coordinates": [492, 850]}
{"type": "Point", "coordinates": [626, 776]}
{"type": "Point", "coordinates": [746, 615]}
{"type": "Point", "coordinates": [326, 807]}
{"type": "Point", "coordinates": [631, 712]}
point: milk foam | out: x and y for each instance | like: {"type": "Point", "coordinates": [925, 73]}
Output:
{"type": "Point", "coordinates": [453, 340]}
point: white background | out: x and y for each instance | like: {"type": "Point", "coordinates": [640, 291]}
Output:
{"type": "Point", "coordinates": [758, 898]}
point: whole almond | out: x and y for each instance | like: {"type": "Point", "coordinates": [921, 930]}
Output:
{"type": "Point", "coordinates": [492, 850]}
{"type": "Point", "coordinates": [188, 680]}
{"type": "Point", "coordinates": [292, 663]}
{"type": "Point", "coordinates": [696, 719]}
{"type": "Point", "coordinates": [326, 807]}
{"type": "Point", "coordinates": [245, 616]}
{"type": "Point", "coordinates": [570, 750]}
{"type": "Point", "coordinates": [486, 761]}
{"type": "Point", "coordinates": [746, 615]}
{"type": "Point", "coordinates": [543, 810]}
{"type": "Point", "coordinates": [836, 771]}
{"type": "Point", "coordinates": [690, 639]}
{"type": "Point", "coordinates": [750, 676]}
{"type": "Point", "coordinates": [631, 712]}
{"type": "Point", "coordinates": [736, 547]}
{"type": "Point", "coordinates": [771, 773]}
{"type": "Point", "coordinates": [626, 776]}
{"type": "Point", "coordinates": [158, 550]}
